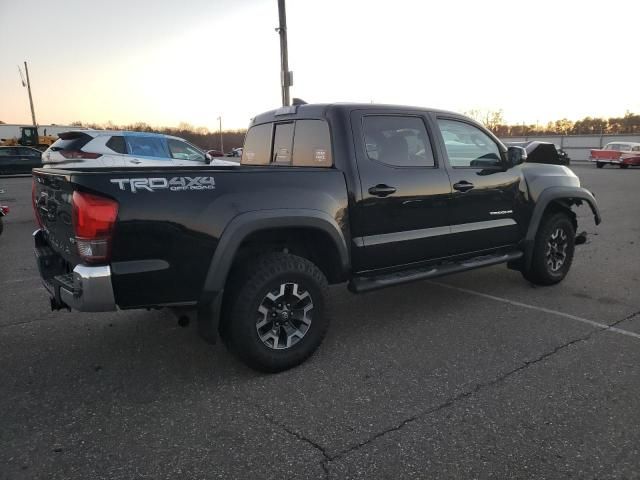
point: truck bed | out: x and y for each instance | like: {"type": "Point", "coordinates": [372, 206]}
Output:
{"type": "Point", "coordinates": [170, 220]}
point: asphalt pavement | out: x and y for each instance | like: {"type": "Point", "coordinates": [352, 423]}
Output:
{"type": "Point", "coordinates": [476, 375]}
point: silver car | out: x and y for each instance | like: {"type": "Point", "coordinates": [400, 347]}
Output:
{"type": "Point", "coordinates": [105, 148]}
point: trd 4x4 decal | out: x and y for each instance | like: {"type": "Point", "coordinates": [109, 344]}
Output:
{"type": "Point", "coordinates": [175, 184]}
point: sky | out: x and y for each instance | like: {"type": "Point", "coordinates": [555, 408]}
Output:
{"type": "Point", "coordinates": [165, 62]}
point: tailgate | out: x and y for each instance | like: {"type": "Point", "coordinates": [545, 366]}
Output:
{"type": "Point", "coordinates": [52, 194]}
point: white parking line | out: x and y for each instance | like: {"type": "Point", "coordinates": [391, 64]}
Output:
{"type": "Point", "coordinates": [601, 326]}
{"type": "Point", "coordinates": [19, 280]}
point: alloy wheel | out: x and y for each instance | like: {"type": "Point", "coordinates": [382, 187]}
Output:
{"type": "Point", "coordinates": [284, 316]}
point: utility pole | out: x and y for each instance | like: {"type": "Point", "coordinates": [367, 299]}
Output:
{"type": "Point", "coordinates": [33, 113]}
{"type": "Point", "coordinates": [220, 127]}
{"type": "Point", "coordinates": [286, 77]}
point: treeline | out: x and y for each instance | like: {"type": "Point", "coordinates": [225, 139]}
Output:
{"type": "Point", "coordinates": [493, 120]}
{"type": "Point", "coordinates": [629, 123]}
{"type": "Point", "coordinates": [199, 136]}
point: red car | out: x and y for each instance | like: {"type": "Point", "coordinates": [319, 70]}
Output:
{"type": "Point", "coordinates": [617, 153]}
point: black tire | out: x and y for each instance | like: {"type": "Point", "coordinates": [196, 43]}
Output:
{"type": "Point", "coordinates": [256, 288]}
{"type": "Point", "coordinates": [624, 165]}
{"type": "Point", "coordinates": [549, 248]}
{"type": "Point", "coordinates": [599, 164]}
{"type": "Point", "coordinates": [1, 225]}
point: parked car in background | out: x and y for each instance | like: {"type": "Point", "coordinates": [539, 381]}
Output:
{"type": "Point", "coordinates": [564, 156]}
{"type": "Point", "coordinates": [617, 153]}
{"type": "Point", "coordinates": [235, 152]}
{"type": "Point", "coordinates": [19, 160]}
{"type": "Point", "coordinates": [215, 153]}
{"type": "Point", "coordinates": [104, 148]}
{"type": "Point", "coordinates": [541, 152]}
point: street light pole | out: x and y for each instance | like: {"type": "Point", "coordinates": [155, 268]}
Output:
{"type": "Point", "coordinates": [286, 77]}
{"type": "Point", "coordinates": [220, 126]}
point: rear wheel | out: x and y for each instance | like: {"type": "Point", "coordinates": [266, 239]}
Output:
{"type": "Point", "coordinates": [624, 165]}
{"type": "Point", "coordinates": [599, 164]}
{"type": "Point", "coordinates": [1, 225]}
{"type": "Point", "coordinates": [276, 316]}
{"type": "Point", "coordinates": [552, 251]}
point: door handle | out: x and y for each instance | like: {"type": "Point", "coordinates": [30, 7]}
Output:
{"type": "Point", "coordinates": [135, 160]}
{"type": "Point", "coordinates": [463, 186]}
{"type": "Point", "coordinates": [382, 190]}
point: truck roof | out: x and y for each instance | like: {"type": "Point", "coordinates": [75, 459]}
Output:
{"type": "Point", "coordinates": [321, 110]}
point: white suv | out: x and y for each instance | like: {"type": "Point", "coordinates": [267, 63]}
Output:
{"type": "Point", "coordinates": [103, 148]}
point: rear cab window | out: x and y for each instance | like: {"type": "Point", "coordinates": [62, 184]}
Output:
{"type": "Point", "coordinates": [304, 143]}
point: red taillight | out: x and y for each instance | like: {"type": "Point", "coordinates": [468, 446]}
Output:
{"type": "Point", "coordinates": [34, 202]}
{"type": "Point", "coordinates": [78, 154]}
{"type": "Point", "coordinates": [4, 209]}
{"type": "Point", "coordinates": [93, 221]}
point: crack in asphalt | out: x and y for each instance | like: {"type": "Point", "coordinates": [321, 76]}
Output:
{"type": "Point", "coordinates": [302, 438]}
{"type": "Point", "coordinates": [446, 404]}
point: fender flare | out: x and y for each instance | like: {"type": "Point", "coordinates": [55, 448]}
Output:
{"type": "Point", "coordinates": [237, 230]}
{"type": "Point", "coordinates": [547, 196]}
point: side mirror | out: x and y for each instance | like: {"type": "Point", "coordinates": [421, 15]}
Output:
{"type": "Point", "coordinates": [516, 156]}
{"type": "Point", "coordinates": [208, 158]}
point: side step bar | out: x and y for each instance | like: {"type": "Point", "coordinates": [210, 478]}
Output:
{"type": "Point", "coordinates": [366, 284]}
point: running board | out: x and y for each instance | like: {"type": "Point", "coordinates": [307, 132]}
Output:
{"type": "Point", "coordinates": [366, 284]}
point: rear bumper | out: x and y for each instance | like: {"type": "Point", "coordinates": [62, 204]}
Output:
{"type": "Point", "coordinates": [605, 160]}
{"type": "Point", "coordinates": [85, 289]}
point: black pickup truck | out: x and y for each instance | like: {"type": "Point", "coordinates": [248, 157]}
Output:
{"type": "Point", "coordinates": [371, 195]}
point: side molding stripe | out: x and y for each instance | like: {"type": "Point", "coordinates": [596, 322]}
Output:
{"type": "Point", "coordinates": [408, 235]}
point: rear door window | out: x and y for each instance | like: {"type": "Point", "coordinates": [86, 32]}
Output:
{"type": "Point", "coordinates": [257, 145]}
{"type": "Point", "coordinates": [147, 146]}
{"type": "Point", "coordinates": [312, 144]}
{"type": "Point", "coordinates": [8, 152]}
{"type": "Point", "coordinates": [399, 141]}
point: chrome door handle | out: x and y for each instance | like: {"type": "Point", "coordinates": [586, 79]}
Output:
{"type": "Point", "coordinates": [463, 186]}
{"type": "Point", "coordinates": [382, 190]}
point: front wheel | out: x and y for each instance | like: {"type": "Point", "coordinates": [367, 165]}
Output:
{"type": "Point", "coordinates": [1, 225]}
{"type": "Point", "coordinates": [599, 164]}
{"type": "Point", "coordinates": [624, 165]}
{"type": "Point", "coordinates": [552, 251]}
{"type": "Point", "coordinates": [276, 318]}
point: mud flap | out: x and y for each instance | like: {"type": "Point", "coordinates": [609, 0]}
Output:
{"type": "Point", "coordinates": [208, 315]}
